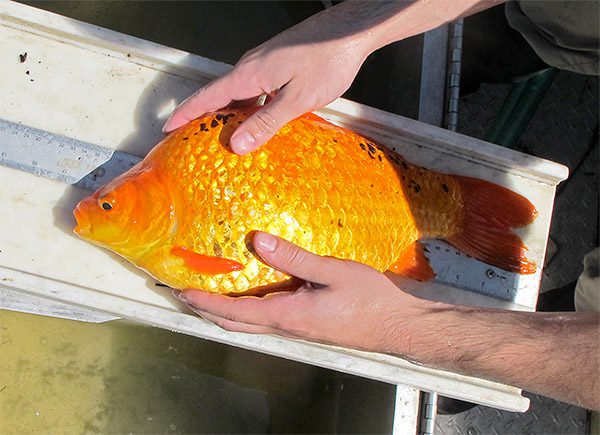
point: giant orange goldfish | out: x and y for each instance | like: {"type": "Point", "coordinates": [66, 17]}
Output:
{"type": "Point", "coordinates": [184, 214]}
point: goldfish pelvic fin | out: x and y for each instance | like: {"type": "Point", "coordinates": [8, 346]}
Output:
{"type": "Point", "coordinates": [206, 264]}
{"type": "Point", "coordinates": [491, 211]}
{"type": "Point", "coordinates": [414, 264]}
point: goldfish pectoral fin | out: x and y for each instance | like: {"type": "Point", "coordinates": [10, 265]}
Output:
{"type": "Point", "coordinates": [491, 211]}
{"type": "Point", "coordinates": [414, 264]}
{"type": "Point", "coordinates": [206, 264]}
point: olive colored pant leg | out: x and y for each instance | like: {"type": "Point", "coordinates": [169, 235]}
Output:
{"type": "Point", "coordinates": [587, 291]}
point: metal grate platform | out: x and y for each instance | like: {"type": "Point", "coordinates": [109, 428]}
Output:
{"type": "Point", "coordinates": [564, 129]}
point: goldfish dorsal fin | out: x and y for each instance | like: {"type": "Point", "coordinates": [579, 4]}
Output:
{"type": "Point", "coordinates": [413, 264]}
{"type": "Point", "coordinates": [206, 264]}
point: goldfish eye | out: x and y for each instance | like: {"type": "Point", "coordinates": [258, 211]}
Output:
{"type": "Point", "coordinates": [106, 206]}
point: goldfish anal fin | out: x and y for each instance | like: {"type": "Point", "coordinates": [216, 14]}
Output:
{"type": "Point", "coordinates": [206, 264]}
{"type": "Point", "coordinates": [491, 211]}
{"type": "Point", "coordinates": [414, 264]}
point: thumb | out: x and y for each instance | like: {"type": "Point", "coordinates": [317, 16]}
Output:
{"type": "Point", "coordinates": [263, 124]}
{"type": "Point", "coordinates": [293, 260]}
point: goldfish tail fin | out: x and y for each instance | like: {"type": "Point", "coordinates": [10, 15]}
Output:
{"type": "Point", "coordinates": [414, 264]}
{"type": "Point", "coordinates": [491, 211]}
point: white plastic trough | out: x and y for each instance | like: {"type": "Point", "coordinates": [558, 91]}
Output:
{"type": "Point", "coordinates": [116, 91]}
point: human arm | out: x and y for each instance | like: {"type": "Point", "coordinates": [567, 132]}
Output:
{"type": "Point", "coordinates": [315, 62]}
{"type": "Point", "coordinates": [352, 305]}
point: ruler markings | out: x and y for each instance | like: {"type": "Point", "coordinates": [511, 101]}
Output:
{"type": "Point", "coordinates": [60, 157]}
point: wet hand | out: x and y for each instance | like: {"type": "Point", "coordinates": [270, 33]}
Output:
{"type": "Point", "coordinates": [301, 69]}
{"type": "Point", "coordinates": [341, 302]}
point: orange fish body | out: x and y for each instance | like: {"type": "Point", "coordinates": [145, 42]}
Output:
{"type": "Point", "coordinates": [186, 212]}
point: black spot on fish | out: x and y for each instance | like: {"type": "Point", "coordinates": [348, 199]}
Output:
{"type": "Point", "coordinates": [371, 148]}
{"type": "Point", "coordinates": [203, 127]}
{"type": "Point", "coordinates": [220, 116]}
{"type": "Point", "coordinates": [340, 223]}
{"type": "Point", "coordinates": [404, 165]}
{"type": "Point", "coordinates": [185, 138]}
{"type": "Point", "coordinates": [379, 157]}
{"type": "Point", "coordinates": [417, 188]}
{"type": "Point", "coordinates": [362, 145]}
{"type": "Point", "coordinates": [217, 250]}
{"type": "Point", "coordinates": [445, 187]}
{"type": "Point", "coordinates": [372, 156]}
{"type": "Point", "coordinates": [335, 140]}
{"type": "Point", "coordinates": [214, 123]}
{"type": "Point", "coordinates": [196, 134]}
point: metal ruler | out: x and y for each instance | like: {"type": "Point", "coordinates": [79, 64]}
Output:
{"type": "Point", "coordinates": [59, 157]}
{"type": "Point", "coordinates": [64, 159]}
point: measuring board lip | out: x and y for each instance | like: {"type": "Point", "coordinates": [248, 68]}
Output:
{"type": "Point", "coordinates": [59, 157]}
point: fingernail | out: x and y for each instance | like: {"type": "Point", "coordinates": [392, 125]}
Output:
{"type": "Point", "coordinates": [167, 128]}
{"type": "Point", "coordinates": [179, 295]}
{"type": "Point", "coordinates": [265, 242]}
{"type": "Point", "coordinates": [242, 143]}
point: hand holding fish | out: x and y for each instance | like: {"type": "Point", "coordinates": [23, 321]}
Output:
{"type": "Point", "coordinates": [290, 68]}
{"type": "Point", "coordinates": [313, 63]}
{"type": "Point", "coordinates": [352, 305]}
{"type": "Point", "coordinates": [336, 297]}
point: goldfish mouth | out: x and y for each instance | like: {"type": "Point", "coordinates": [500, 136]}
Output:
{"type": "Point", "coordinates": [83, 225]}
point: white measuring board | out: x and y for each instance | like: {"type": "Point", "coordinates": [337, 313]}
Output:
{"type": "Point", "coordinates": [113, 91]}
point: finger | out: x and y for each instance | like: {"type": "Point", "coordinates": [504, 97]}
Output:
{"type": "Point", "coordinates": [215, 95]}
{"type": "Point", "coordinates": [295, 261]}
{"type": "Point", "coordinates": [265, 122]}
{"type": "Point", "coordinates": [267, 311]}
{"type": "Point", "coordinates": [232, 326]}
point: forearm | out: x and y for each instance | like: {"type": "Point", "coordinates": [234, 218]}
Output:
{"type": "Point", "coordinates": [557, 355]}
{"type": "Point", "coordinates": [372, 24]}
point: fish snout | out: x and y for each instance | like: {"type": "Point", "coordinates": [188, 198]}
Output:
{"type": "Point", "coordinates": [83, 224]}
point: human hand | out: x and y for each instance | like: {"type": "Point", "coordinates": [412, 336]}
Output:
{"type": "Point", "coordinates": [301, 69]}
{"type": "Point", "coordinates": [341, 302]}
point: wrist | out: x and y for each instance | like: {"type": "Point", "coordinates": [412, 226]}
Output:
{"type": "Point", "coordinates": [408, 326]}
